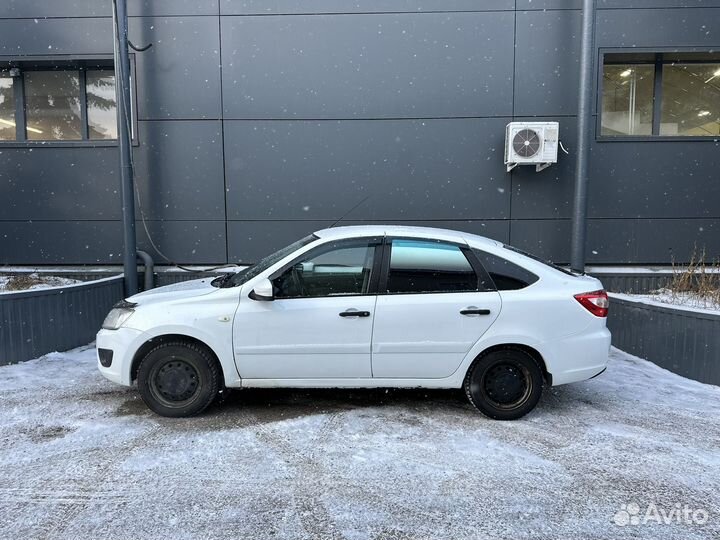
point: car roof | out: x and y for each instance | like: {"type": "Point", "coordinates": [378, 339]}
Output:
{"type": "Point", "coordinates": [433, 233]}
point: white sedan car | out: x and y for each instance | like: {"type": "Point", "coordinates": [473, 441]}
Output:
{"type": "Point", "coordinates": [365, 307]}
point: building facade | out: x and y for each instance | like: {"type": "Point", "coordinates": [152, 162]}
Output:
{"type": "Point", "coordinates": [256, 122]}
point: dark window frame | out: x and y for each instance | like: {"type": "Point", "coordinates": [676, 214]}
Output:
{"type": "Point", "coordinates": [484, 282]}
{"type": "Point", "coordinates": [661, 56]}
{"type": "Point", "coordinates": [81, 64]}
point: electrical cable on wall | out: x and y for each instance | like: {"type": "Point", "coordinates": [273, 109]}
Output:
{"type": "Point", "coordinates": [128, 125]}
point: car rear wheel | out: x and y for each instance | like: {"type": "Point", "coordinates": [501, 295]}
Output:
{"type": "Point", "coordinates": [178, 379]}
{"type": "Point", "coordinates": [505, 384]}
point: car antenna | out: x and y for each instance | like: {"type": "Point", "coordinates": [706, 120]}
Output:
{"type": "Point", "coordinates": [348, 212]}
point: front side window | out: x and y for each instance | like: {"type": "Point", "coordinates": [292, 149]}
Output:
{"type": "Point", "coordinates": [334, 270]}
{"type": "Point", "coordinates": [660, 95]}
{"type": "Point", "coordinates": [422, 266]}
{"type": "Point", "coordinates": [60, 102]}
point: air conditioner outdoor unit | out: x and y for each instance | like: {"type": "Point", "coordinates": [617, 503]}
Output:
{"type": "Point", "coordinates": [531, 143]}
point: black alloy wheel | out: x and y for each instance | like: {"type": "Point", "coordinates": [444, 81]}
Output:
{"type": "Point", "coordinates": [178, 379]}
{"type": "Point", "coordinates": [504, 384]}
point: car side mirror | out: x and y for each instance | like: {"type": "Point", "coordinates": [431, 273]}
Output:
{"type": "Point", "coordinates": [263, 291]}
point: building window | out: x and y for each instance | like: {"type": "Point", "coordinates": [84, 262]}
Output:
{"type": "Point", "coordinates": [57, 102]}
{"type": "Point", "coordinates": [660, 95]}
{"type": "Point", "coordinates": [7, 108]}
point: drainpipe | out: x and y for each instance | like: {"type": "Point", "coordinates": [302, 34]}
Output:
{"type": "Point", "coordinates": [584, 121]}
{"type": "Point", "coordinates": [149, 265]}
{"type": "Point", "coordinates": [124, 119]}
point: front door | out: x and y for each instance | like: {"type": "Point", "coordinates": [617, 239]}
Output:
{"type": "Point", "coordinates": [433, 307]}
{"type": "Point", "coordinates": [320, 323]}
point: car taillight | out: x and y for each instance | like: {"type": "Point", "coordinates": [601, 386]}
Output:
{"type": "Point", "coordinates": [595, 302]}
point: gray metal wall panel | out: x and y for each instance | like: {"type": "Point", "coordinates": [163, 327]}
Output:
{"type": "Point", "coordinates": [666, 179]}
{"type": "Point", "coordinates": [547, 238]}
{"type": "Point", "coordinates": [56, 36]}
{"type": "Point", "coordinates": [265, 7]}
{"type": "Point", "coordinates": [547, 63]}
{"type": "Point", "coordinates": [34, 323]}
{"type": "Point", "coordinates": [100, 8]}
{"type": "Point", "coordinates": [172, 7]}
{"type": "Point", "coordinates": [650, 241]}
{"type": "Point", "coordinates": [414, 170]}
{"type": "Point", "coordinates": [195, 242]}
{"type": "Point", "coordinates": [249, 241]}
{"type": "Point", "coordinates": [60, 242]}
{"type": "Point", "coordinates": [446, 171]}
{"type": "Point", "coordinates": [179, 169]}
{"type": "Point", "coordinates": [614, 4]}
{"type": "Point", "coordinates": [58, 183]}
{"type": "Point", "coordinates": [95, 242]}
{"type": "Point", "coordinates": [685, 342]}
{"type": "Point", "coordinates": [179, 76]}
{"type": "Point", "coordinates": [376, 67]}
{"type": "Point", "coordinates": [549, 193]}
{"type": "Point", "coordinates": [656, 28]}
{"type": "Point", "coordinates": [625, 4]}
{"type": "Point", "coordinates": [539, 5]}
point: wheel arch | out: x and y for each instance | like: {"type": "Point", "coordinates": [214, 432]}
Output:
{"type": "Point", "coordinates": [534, 353]}
{"type": "Point", "coordinates": [154, 341]}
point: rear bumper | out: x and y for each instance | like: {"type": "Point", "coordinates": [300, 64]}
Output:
{"type": "Point", "coordinates": [577, 358]}
{"type": "Point", "coordinates": [123, 343]}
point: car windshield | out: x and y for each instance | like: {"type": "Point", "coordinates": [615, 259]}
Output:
{"type": "Point", "coordinates": [543, 261]}
{"type": "Point", "coordinates": [266, 262]}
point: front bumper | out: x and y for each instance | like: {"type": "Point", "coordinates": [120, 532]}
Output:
{"type": "Point", "coordinates": [124, 343]}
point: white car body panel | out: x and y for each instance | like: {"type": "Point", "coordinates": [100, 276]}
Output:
{"type": "Point", "coordinates": [303, 342]}
{"type": "Point", "coordinates": [303, 337]}
{"type": "Point", "coordinates": [424, 335]}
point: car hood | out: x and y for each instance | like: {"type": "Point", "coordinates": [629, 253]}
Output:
{"type": "Point", "coordinates": [176, 291]}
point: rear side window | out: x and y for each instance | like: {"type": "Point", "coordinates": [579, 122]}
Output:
{"type": "Point", "coordinates": [507, 276]}
{"type": "Point", "coordinates": [423, 266]}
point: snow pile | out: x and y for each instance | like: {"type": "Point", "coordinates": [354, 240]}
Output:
{"type": "Point", "coordinates": [30, 282]}
{"type": "Point", "coordinates": [685, 300]}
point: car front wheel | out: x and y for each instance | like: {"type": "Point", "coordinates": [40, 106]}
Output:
{"type": "Point", "coordinates": [178, 379]}
{"type": "Point", "coordinates": [505, 384]}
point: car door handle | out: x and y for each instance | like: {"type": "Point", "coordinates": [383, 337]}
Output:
{"type": "Point", "coordinates": [474, 311]}
{"type": "Point", "coordinates": [352, 313]}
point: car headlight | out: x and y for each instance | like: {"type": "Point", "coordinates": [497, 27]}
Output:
{"type": "Point", "coordinates": [118, 315]}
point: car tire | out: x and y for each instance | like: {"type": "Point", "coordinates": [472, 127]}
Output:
{"type": "Point", "coordinates": [504, 384]}
{"type": "Point", "coordinates": [178, 379]}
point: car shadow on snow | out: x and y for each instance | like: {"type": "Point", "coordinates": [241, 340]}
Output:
{"type": "Point", "coordinates": [254, 406]}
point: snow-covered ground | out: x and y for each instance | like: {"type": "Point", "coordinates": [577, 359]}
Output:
{"type": "Point", "coordinates": [83, 458]}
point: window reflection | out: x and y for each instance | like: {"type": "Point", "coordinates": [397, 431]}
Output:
{"type": "Point", "coordinates": [627, 101]}
{"type": "Point", "coordinates": [101, 104]}
{"type": "Point", "coordinates": [52, 105]}
{"type": "Point", "coordinates": [691, 100]}
{"type": "Point", "coordinates": [7, 109]}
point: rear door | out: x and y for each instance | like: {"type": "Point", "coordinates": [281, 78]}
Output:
{"type": "Point", "coordinates": [435, 302]}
